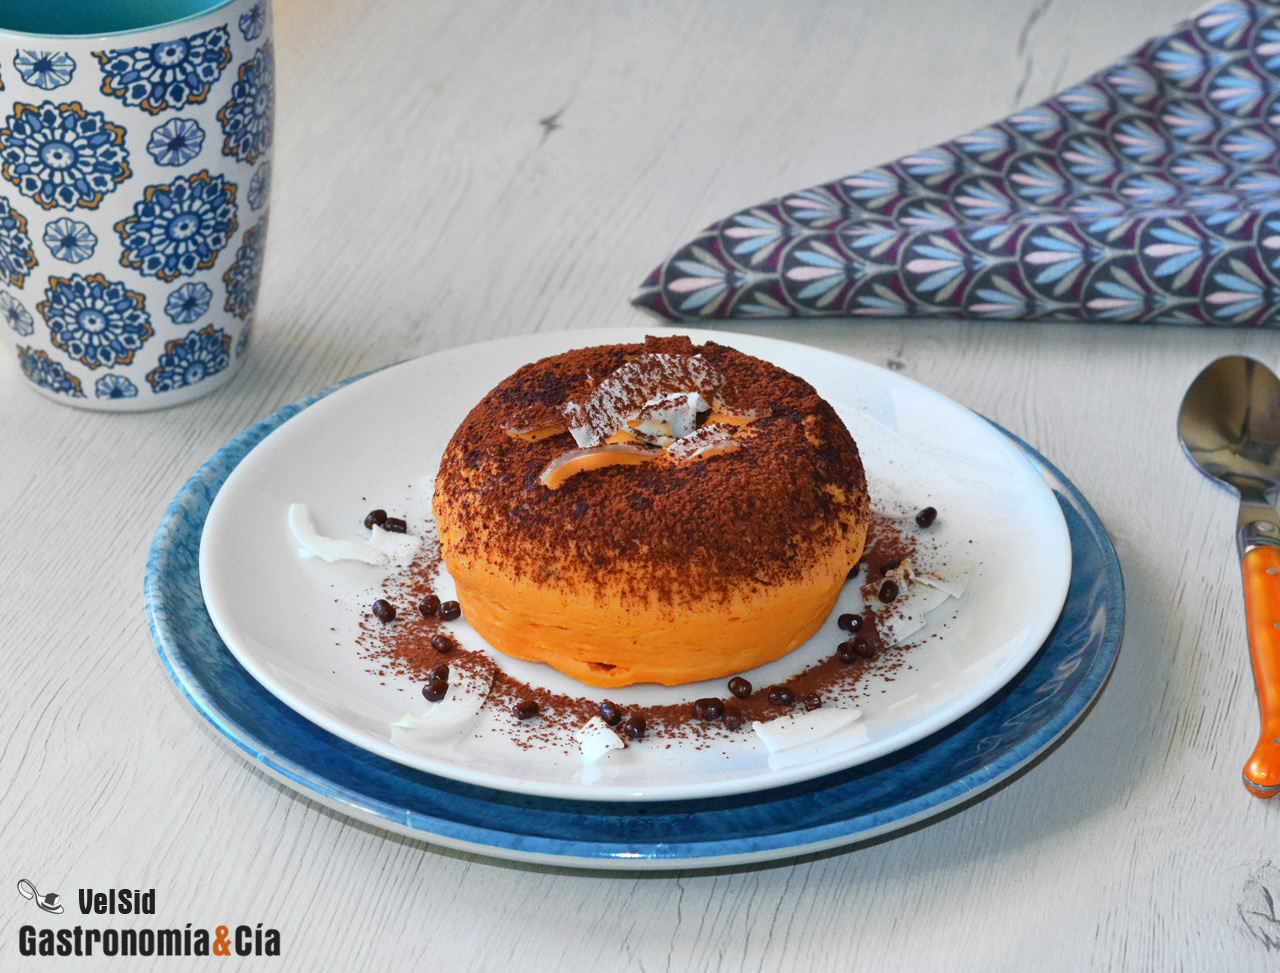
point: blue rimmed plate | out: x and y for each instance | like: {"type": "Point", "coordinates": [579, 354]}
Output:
{"type": "Point", "coordinates": [993, 741]}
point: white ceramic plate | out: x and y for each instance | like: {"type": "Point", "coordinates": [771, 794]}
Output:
{"type": "Point", "coordinates": [293, 623]}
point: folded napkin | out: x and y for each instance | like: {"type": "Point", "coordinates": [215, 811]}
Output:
{"type": "Point", "coordinates": [1148, 193]}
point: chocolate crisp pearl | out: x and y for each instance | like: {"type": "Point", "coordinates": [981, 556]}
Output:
{"type": "Point", "coordinates": [450, 610]}
{"type": "Point", "coordinates": [428, 606]}
{"type": "Point", "coordinates": [435, 690]}
{"type": "Point", "coordinates": [865, 648]}
{"type": "Point", "coordinates": [739, 687]}
{"type": "Point", "coordinates": [633, 728]}
{"type": "Point", "coordinates": [732, 718]}
{"type": "Point", "coordinates": [439, 671]}
{"type": "Point", "coordinates": [850, 623]}
{"type": "Point", "coordinates": [375, 518]}
{"type": "Point", "coordinates": [926, 516]}
{"type": "Point", "coordinates": [526, 709]}
{"type": "Point", "coordinates": [384, 610]}
{"type": "Point", "coordinates": [812, 702]}
{"type": "Point", "coordinates": [846, 653]}
{"type": "Point", "coordinates": [889, 566]}
{"type": "Point", "coordinates": [442, 643]}
{"type": "Point", "coordinates": [395, 525]}
{"type": "Point", "coordinates": [610, 713]}
{"type": "Point", "coordinates": [889, 591]}
{"type": "Point", "coordinates": [782, 696]}
{"type": "Point", "coordinates": [708, 708]}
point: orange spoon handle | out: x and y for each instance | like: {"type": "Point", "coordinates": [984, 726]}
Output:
{"type": "Point", "coordinates": [1261, 567]}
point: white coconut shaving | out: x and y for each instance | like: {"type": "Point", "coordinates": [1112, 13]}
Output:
{"type": "Point", "coordinates": [800, 729]}
{"type": "Point", "coordinates": [454, 715]}
{"type": "Point", "coordinates": [382, 548]}
{"type": "Point", "coordinates": [596, 739]}
{"type": "Point", "coordinates": [633, 385]}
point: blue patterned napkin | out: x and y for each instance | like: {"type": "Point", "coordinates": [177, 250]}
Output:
{"type": "Point", "coordinates": [1149, 193]}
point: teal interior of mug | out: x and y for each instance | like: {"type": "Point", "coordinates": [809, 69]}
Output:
{"type": "Point", "coordinates": [80, 17]}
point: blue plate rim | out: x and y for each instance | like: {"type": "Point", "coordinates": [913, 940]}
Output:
{"type": "Point", "coordinates": [164, 565]}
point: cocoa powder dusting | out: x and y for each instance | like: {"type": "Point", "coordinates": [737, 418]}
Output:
{"type": "Point", "coordinates": [404, 648]}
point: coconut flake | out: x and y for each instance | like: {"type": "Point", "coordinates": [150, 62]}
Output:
{"type": "Point", "coordinates": [798, 729]}
{"type": "Point", "coordinates": [666, 418]}
{"type": "Point", "coordinates": [628, 388]}
{"type": "Point", "coordinates": [575, 454]}
{"type": "Point", "coordinates": [453, 715]}
{"type": "Point", "coordinates": [596, 739]}
{"type": "Point", "coordinates": [921, 594]}
{"type": "Point", "coordinates": [705, 440]}
{"type": "Point", "coordinates": [311, 543]}
{"type": "Point", "coordinates": [400, 549]}
{"type": "Point", "coordinates": [953, 580]}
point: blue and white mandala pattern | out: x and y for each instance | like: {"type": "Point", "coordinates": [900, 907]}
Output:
{"type": "Point", "coordinates": [187, 361]}
{"type": "Point", "coordinates": [98, 322]}
{"type": "Point", "coordinates": [15, 315]}
{"type": "Point", "coordinates": [45, 69]}
{"type": "Point", "coordinates": [170, 74]}
{"type": "Point", "coordinates": [39, 368]}
{"type": "Point", "coordinates": [179, 228]}
{"type": "Point", "coordinates": [252, 22]}
{"type": "Point", "coordinates": [259, 187]}
{"type": "Point", "coordinates": [176, 142]}
{"type": "Point", "coordinates": [247, 119]}
{"type": "Point", "coordinates": [17, 256]}
{"type": "Point", "coordinates": [63, 155]}
{"type": "Point", "coordinates": [114, 387]}
{"type": "Point", "coordinates": [1147, 193]}
{"type": "Point", "coordinates": [188, 303]}
{"type": "Point", "coordinates": [243, 277]}
{"type": "Point", "coordinates": [70, 240]}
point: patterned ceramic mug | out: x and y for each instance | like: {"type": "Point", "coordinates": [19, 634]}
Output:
{"type": "Point", "coordinates": [135, 164]}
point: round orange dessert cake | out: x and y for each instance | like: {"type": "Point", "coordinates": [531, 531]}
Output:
{"type": "Point", "coordinates": [660, 513]}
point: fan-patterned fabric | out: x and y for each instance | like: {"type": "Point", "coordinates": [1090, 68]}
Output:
{"type": "Point", "coordinates": [1148, 193]}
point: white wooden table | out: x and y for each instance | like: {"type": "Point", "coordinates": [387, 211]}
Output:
{"type": "Point", "coordinates": [454, 171]}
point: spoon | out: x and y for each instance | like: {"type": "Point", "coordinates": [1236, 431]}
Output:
{"type": "Point", "coordinates": [1229, 424]}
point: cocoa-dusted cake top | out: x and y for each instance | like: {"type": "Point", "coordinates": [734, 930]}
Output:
{"type": "Point", "coordinates": [698, 528]}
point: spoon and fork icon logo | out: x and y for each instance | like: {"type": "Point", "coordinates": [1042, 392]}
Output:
{"type": "Point", "coordinates": [47, 902]}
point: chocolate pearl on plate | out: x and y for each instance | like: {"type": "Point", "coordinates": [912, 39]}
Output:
{"type": "Point", "coordinates": [850, 623]}
{"type": "Point", "coordinates": [740, 687]}
{"type": "Point", "coordinates": [395, 525]}
{"type": "Point", "coordinates": [708, 708]}
{"type": "Point", "coordinates": [888, 591]}
{"type": "Point", "coordinates": [439, 671]}
{"type": "Point", "coordinates": [889, 566]}
{"type": "Point", "coordinates": [926, 516]}
{"type": "Point", "coordinates": [442, 643]}
{"type": "Point", "coordinates": [526, 709]}
{"type": "Point", "coordinates": [782, 696]}
{"type": "Point", "coordinates": [375, 518]}
{"type": "Point", "coordinates": [812, 702]}
{"type": "Point", "coordinates": [865, 648]}
{"type": "Point", "coordinates": [435, 690]}
{"type": "Point", "coordinates": [449, 610]}
{"type": "Point", "coordinates": [610, 713]}
{"type": "Point", "coordinates": [428, 606]}
{"type": "Point", "coordinates": [732, 718]}
{"type": "Point", "coordinates": [633, 728]}
{"type": "Point", "coordinates": [853, 572]}
{"type": "Point", "coordinates": [846, 653]}
{"type": "Point", "coordinates": [384, 610]}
